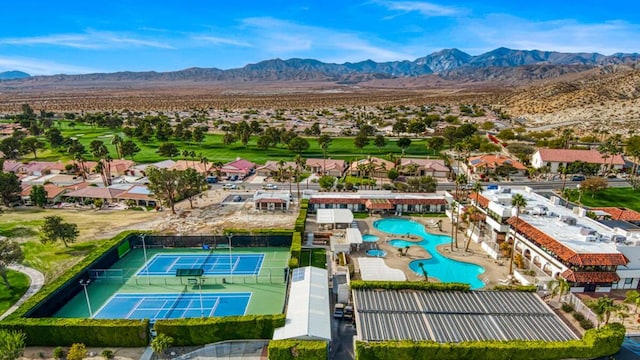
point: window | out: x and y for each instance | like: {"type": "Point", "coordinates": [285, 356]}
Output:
{"type": "Point", "coordinates": [628, 281]}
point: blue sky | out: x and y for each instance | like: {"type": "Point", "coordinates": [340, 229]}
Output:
{"type": "Point", "coordinates": [69, 36]}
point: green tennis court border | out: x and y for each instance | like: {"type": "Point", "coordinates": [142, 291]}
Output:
{"type": "Point", "coordinates": [268, 288]}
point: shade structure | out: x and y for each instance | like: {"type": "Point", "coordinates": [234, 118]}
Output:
{"type": "Point", "coordinates": [334, 216]}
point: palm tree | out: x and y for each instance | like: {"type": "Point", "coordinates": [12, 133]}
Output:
{"type": "Point", "coordinates": [290, 170]}
{"type": "Point", "coordinates": [454, 208]}
{"type": "Point", "coordinates": [518, 202]}
{"type": "Point", "coordinates": [633, 297]}
{"type": "Point", "coordinates": [205, 163]}
{"type": "Point", "coordinates": [117, 142]}
{"type": "Point", "coordinates": [460, 179]}
{"type": "Point", "coordinates": [324, 141]}
{"type": "Point", "coordinates": [559, 287]}
{"type": "Point", "coordinates": [300, 164]}
{"type": "Point", "coordinates": [603, 308]}
{"type": "Point", "coordinates": [477, 188]}
{"type": "Point", "coordinates": [424, 272]}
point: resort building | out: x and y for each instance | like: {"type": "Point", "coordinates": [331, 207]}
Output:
{"type": "Point", "coordinates": [556, 158]}
{"type": "Point", "coordinates": [273, 168]}
{"type": "Point", "coordinates": [486, 165]}
{"type": "Point", "coordinates": [550, 239]}
{"type": "Point", "coordinates": [240, 167]}
{"type": "Point", "coordinates": [379, 201]}
{"type": "Point", "coordinates": [423, 167]}
{"type": "Point", "coordinates": [371, 166]}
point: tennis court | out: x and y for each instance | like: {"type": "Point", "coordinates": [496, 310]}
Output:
{"type": "Point", "coordinates": [212, 264]}
{"type": "Point", "coordinates": [173, 306]}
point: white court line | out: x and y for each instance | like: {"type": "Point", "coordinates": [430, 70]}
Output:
{"type": "Point", "coordinates": [170, 269]}
{"type": "Point", "coordinates": [134, 308]}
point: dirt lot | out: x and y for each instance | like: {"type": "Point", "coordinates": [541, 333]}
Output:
{"type": "Point", "coordinates": [36, 352]}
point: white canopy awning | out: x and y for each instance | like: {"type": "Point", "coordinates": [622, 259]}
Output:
{"type": "Point", "coordinates": [354, 236]}
{"type": "Point", "coordinates": [334, 216]}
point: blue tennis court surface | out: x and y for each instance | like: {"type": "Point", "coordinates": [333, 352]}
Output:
{"type": "Point", "coordinates": [212, 264]}
{"type": "Point", "coordinates": [173, 306]}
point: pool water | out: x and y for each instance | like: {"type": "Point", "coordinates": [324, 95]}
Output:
{"type": "Point", "coordinates": [376, 253]}
{"type": "Point", "coordinates": [439, 266]}
{"type": "Point", "coordinates": [370, 238]}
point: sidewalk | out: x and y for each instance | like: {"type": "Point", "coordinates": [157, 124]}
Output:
{"type": "Point", "coordinates": [37, 280]}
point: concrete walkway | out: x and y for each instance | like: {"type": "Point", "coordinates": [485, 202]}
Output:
{"type": "Point", "coordinates": [37, 280]}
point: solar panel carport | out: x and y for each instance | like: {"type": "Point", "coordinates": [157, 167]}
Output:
{"type": "Point", "coordinates": [455, 316]}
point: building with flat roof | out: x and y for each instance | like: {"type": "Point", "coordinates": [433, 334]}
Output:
{"type": "Point", "coordinates": [553, 240]}
{"type": "Point", "coordinates": [379, 201]}
{"type": "Point", "coordinates": [455, 316]}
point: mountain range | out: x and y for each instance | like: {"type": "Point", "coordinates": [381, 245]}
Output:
{"type": "Point", "coordinates": [448, 64]}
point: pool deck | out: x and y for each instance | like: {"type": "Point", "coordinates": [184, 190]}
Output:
{"type": "Point", "coordinates": [494, 270]}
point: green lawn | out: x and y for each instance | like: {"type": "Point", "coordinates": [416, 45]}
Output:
{"type": "Point", "coordinates": [213, 148]}
{"type": "Point", "coordinates": [612, 197]}
{"type": "Point", "coordinates": [19, 285]}
{"type": "Point", "coordinates": [317, 256]}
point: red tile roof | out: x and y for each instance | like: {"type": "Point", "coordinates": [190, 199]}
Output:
{"type": "Point", "coordinates": [620, 213]}
{"type": "Point", "coordinates": [571, 155]}
{"type": "Point", "coordinates": [269, 201]}
{"type": "Point", "coordinates": [378, 204]}
{"type": "Point", "coordinates": [482, 201]}
{"type": "Point", "coordinates": [565, 253]}
{"type": "Point", "coordinates": [590, 277]}
{"type": "Point", "coordinates": [336, 200]}
{"type": "Point", "coordinates": [492, 161]}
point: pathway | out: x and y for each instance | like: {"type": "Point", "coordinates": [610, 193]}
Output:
{"type": "Point", "coordinates": [37, 280]}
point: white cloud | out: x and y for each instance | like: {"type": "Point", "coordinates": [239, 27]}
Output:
{"type": "Point", "coordinates": [425, 8]}
{"type": "Point", "coordinates": [285, 38]}
{"type": "Point", "coordinates": [564, 35]}
{"type": "Point", "coordinates": [88, 40]}
{"type": "Point", "coordinates": [41, 67]}
{"type": "Point", "coordinates": [221, 41]}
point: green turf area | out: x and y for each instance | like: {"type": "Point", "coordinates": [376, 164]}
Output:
{"type": "Point", "coordinates": [268, 288]}
{"type": "Point", "coordinates": [19, 285]}
{"type": "Point", "coordinates": [611, 197]}
{"type": "Point", "coordinates": [314, 257]}
{"type": "Point", "coordinates": [213, 148]}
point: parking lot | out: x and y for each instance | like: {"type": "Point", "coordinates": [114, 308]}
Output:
{"type": "Point", "coordinates": [236, 198]}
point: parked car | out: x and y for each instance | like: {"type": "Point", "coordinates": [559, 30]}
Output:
{"type": "Point", "coordinates": [230, 186]}
{"type": "Point", "coordinates": [270, 187]}
{"type": "Point", "coordinates": [578, 178]}
{"type": "Point", "coordinates": [338, 311]}
{"type": "Point", "coordinates": [212, 179]}
{"type": "Point", "coordinates": [348, 312]}
{"type": "Point", "coordinates": [237, 198]}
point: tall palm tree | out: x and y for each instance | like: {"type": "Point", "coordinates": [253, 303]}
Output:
{"type": "Point", "coordinates": [299, 160]}
{"type": "Point", "coordinates": [460, 180]}
{"type": "Point", "coordinates": [205, 164]}
{"type": "Point", "coordinates": [290, 174]}
{"type": "Point", "coordinates": [477, 188]}
{"type": "Point", "coordinates": [454, 208]}
{"type": "Point", "coordinates": [117, 142]}
{"type": "Point", "coordinates": [324, 141]}
{"type": "Point", "coordinates": [559, 287]}
{"type": "Point", "coordinates": [424, 272]}
{"type": "Point", "coordinates": [518, 202]}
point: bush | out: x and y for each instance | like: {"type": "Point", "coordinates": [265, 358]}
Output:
{"type": "Point", "coordinates": [161, 343]}
{"type": "Point", "coordinates": [77, 352]}
{"type": "Point", "coordinates": [297, 349]}
{"type": "Point", "coordinates": [58, 353]}
{"type": "Point", "coordinates": [199, 331]}
{"type": "Point", "coordinates": [566, 307]}
{"type": "Point", "coordinates": [107, 354]}
{"type": "Point", "coordinates": [11, 344]}
{"type": "Point", "coordinates": [578, 316]}
{"type": "Point", "coordinates": [296, 249]}
{"type": "Point", "coordinates": [586, 324]}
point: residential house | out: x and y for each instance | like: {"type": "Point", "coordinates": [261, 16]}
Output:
{"type": "Point", "coordinates": [109, 195]}
{"type": "Point", "coordinates": [372, 167]}
{"type": "Point", "coordinates": [330, 167]}
{"type": "Point", "coordinates": [240, 167]}
{"type": "Point", "coordinates": [120, 167]}
{"type": "Point", "coordinates": [423, 167]}
{"type": "Point", "coordinates": [271, 168]}
{"type": "Point", "coordinates": [487, 164]}
{"type": "Point", "coordinates": [11, 166]}
{"type": "Point", "coordinates": [556, 158]}
{"type": "Point", "coordinates": [36, 168]}
{"type": "Point", "coordinates": [140, 170]}
{"type": "Point", "coordinates": [182, 165]}
{"type": "Point", "coordinates": [54, 193]}
{"type": "Point", "coordinates": [139, 195]}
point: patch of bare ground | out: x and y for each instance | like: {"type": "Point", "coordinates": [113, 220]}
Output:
{"type": "Point", "coordinates": [46, 353]}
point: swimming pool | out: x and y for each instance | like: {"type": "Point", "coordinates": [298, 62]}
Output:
{"type": "Point", "coordinates": [370, 238]}
{"type": "Point", "coordinates": [439, 266]}
{"type": "Point", "coordinates": [376, 253]}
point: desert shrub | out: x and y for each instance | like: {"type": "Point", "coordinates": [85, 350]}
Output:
{"type": "Point", "coordinates": [586, 324]}
{"type": "Point", "coordinates": [566, 307]}
{"type": "Point", "coordinates": [578, 316]}
{"type": "Point", "coordinates": [107, 354]}
{"type": "Point", "coordinates": [58, 353]}
{"type": "Point", "coordinates": [77, 351]}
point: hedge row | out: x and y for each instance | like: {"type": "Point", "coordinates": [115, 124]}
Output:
{"type": "Point", "coordinates": [595, 343]}
{"type": "Point", "coordinates": [410, 285]}
{"type": "Point", "coordinates": [302, 216]}
{"type": "Point", "coordinates": [62, 331]}
{"type": "Point", "coordinates": [296, 249]}
{"type": "Point", "coordinates": [522, 288]}
{"type": "Point", "coordinates": [91, 332]}
{"type": "Point", "coordinates": [297, 349]}
{"type": "Point", "coordinates": [200, 331]}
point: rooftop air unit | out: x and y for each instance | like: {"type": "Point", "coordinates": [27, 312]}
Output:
{"type": "Point", "coordinates": [539, 210]}
{"type": "Point", "coordinates": [570, 220]}
{"type": "Point", "coordinates": [585, 231]}
{"type": "Point", "coordinates": [618, 239]}
{"type": "Point", "coordinates": [505, 190]}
